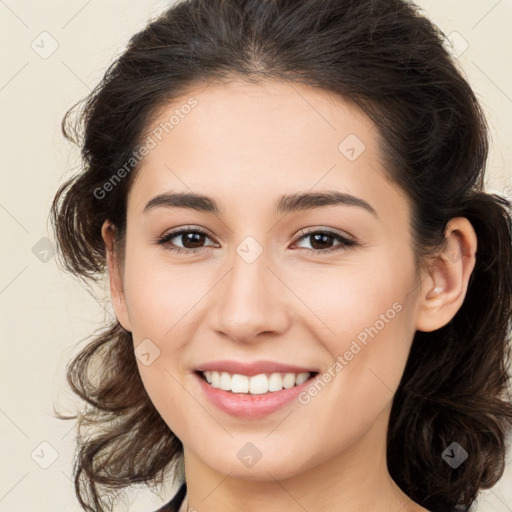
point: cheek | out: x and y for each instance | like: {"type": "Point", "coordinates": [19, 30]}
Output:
{"type": "Point", "coordinates": [158, 313]}
{"type": "Point", "coordinates": [364, 318]}
{"type": "Point", "coordinates": [358, 300]}
{"type": "Point", "coordinates": [159, 296]}
{"type": "Point", "coordinates": [367, 364]}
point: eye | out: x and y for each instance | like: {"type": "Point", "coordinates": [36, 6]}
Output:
{"type": "Point", "coordinates": [193, 240]}
{"type": "Point", "coordinates": [324, 239]}
{"type": "Point", "coordinates": [195, 237]}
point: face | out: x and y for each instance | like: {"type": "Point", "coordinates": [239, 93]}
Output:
{"type": "Point", "coordinates": [326, 285]}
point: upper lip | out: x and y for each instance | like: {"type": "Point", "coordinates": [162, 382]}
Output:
{"type": "Point", "coordinates": [252, 368]}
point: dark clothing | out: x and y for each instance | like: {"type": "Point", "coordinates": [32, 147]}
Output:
{"type": "Point", "coordinates": [175, 504]}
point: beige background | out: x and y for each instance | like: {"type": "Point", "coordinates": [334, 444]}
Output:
{"type": "Point", "coordinates": [46, 313]}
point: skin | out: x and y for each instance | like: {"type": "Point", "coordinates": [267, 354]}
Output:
{"type": "Point", "coordinates": [245, 145]}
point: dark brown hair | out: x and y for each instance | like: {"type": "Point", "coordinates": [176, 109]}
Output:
{"type": "Point", "coordinates": [388, 59]}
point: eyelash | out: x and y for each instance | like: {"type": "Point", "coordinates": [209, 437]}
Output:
{"type": "Point", "coordinates": [343, 241]}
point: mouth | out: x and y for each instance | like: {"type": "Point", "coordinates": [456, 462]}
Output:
{"type": "Point", "coordinates": [260, 384]}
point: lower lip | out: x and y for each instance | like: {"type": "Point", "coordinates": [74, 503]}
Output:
{"type": "Point", "coordinates": [251, 406]}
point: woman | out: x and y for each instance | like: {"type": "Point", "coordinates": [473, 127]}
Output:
{"type": "Point", "coordinates": [312, 289]}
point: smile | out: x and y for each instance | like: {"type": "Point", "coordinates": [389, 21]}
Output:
{"type": "Point", "coordinates": [252, 396]}
{"type": "Point", "coordinates": [256, 384]}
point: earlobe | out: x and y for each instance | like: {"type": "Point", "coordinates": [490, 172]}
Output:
{"type": "Point", "coordinates": [115, 278]}
{"type": "Point", "coordinates": [444, 291]}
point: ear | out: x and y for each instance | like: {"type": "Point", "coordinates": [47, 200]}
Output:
{"type": "Point", "coordinates": [115, 276]}
{"type": "Point", "coordinates": [444, 289]}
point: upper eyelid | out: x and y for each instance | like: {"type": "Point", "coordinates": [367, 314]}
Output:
{"type": "Point", "coordinates": [332, 231]}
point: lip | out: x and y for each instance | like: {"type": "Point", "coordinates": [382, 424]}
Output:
{"type": "Point", "coordinates": [247, 405]}
{"type": "Point", "coordinates": [253, 368]}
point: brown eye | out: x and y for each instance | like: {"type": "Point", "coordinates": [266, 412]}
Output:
{"type": "Point", "coordinates": [322, 241]}
{"type": "Point", "coordinates": [191, 240]}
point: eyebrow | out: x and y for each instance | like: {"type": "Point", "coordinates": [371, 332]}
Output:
{"type": "Point", "coordinates": [288, 203]}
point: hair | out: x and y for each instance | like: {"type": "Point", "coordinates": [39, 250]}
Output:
{"type": "Point", "coordinates": [390, 61]}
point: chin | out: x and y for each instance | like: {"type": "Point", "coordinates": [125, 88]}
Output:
{"type": "Point", "coordinates": [251, 463]}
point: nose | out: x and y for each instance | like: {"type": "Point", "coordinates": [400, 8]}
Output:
{"type": "Point", "coordinates": [250, 301]}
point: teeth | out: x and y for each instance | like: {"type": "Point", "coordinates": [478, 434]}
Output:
{"type": "Point", "coordinates": [225, 381]}
{"type": "Point", "coordinates": [239, 383]}
{"type": "Point", "coordinates": [257, 384]}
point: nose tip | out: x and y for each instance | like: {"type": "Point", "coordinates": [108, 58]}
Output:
{"type": "Point", "coordinates": [248, 303]}
{"type": "Point", "coordinates": [247, 321]}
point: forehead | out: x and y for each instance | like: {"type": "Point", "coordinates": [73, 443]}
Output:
{"type": "Point", "coordinates": [245, 141]}
{"type": "Point", "coordinates": [246, 116]}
